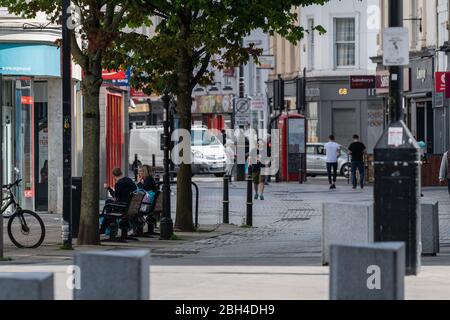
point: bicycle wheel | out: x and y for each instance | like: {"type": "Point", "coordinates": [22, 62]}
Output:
{"type": "Point", "coordinates": [26, 229]}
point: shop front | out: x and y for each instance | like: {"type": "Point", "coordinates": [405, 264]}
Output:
{"type": "Point", "coordinates": [213, 111]}
{"type": "Point", "coordinates": [419, 111]}
{"type": "Point", "coordinates": [332, 107]}
{"type": "Point", "coordinates": [26, 108]}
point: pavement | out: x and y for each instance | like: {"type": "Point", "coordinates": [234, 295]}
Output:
{"type": "Point", "coordinates": [277, 259]}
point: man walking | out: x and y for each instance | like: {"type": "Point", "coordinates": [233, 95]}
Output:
{"type": "Point", "coordinates": [444, 173]}
{"type": "Point", "coordinates": [332, 151]}
{"type": "Point", "coordinates": [357, 150]}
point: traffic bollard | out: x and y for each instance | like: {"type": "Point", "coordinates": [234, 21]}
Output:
{"type": "Point", "coordinates": [226, 200]}
{"type": "Point", "coordinates": [249, 220]}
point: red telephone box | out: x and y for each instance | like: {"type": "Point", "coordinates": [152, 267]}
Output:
{"type": "Point", "coordinates": [292, 147]}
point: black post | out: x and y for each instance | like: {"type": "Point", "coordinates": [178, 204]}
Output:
{"type": "Point", "coordinates": [153, 161]}
{"type": "Point", "coordinates": [397, 172]}
{"type": "Point", "coordinates": [226, 200]}
{"type": "Point", "coordinates": [240, 167]}
{"type": "Point", "coordinates": [166, 224]}
{"type": "Point", "coordinates": [396, 74]}
{"type": "Point", "coordinates": [67, 127]}
{"type": "Point", "coordinates": [249, 218]}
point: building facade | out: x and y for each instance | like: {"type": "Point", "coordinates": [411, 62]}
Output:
{"type": "Point", "coordinates": [32, 108]}
{"type": "Point", "coordinates": [330, 59]}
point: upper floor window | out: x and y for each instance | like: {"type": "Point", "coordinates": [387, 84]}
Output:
{"type": "Point", "coordinates": [345, 42]}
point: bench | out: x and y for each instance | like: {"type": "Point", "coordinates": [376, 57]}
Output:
{"type": "Point", "coordinates": [149, 217]}
{"type": "Point", "coordinates": [120, 215]}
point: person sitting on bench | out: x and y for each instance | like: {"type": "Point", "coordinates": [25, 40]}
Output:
{"type": "Point", "coordinates": [122, 192]}
{"type": "Point", "coordinates": [123, 189]}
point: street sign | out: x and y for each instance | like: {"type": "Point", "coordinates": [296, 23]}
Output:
{"type": "Point", "coordinates": [242, 106]}
{"type": "Point", "coordinates": [362, 82]}
{"type": "Point", "coordinates": [395, 47]}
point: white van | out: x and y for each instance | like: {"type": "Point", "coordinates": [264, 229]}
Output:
{"type": "Point", "coordinates": [208, 153]}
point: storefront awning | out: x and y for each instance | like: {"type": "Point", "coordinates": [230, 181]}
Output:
{"type": "Point", "coordinates": [30, 59]}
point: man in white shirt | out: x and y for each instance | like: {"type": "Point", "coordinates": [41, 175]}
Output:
{"type": "Point", "coordinates": [332, 151]}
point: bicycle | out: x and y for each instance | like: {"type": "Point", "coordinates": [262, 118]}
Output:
{"type": "Point", "coordinates": [22, 223]}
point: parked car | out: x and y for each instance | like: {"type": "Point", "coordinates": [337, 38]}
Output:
{"type": "Point", "coordinates": [317, 160]}
{"type": "Point", "coordinates": [208, 153]}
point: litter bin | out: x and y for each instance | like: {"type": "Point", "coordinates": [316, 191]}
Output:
{"type": "Point", "coordinates": [76, 205]}
{"type": "Point", "coordinates": [397, 192]}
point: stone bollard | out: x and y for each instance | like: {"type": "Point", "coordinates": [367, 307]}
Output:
{"type": "Point", "coordinates": [367, 271]}
{"type": "Point", "coordinates": [345, 223]}
{"type": "Point", "coordinates": [26, 286]}
{"type": "Point", "coordinates": [113, 275]}
{"type": "Point", "coordinates": [430, 228]}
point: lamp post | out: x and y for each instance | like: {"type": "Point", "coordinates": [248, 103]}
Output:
{"type": "Point", "coordinates": [166, 224]}
{"type": "Point", "coordinates": [67, 127]}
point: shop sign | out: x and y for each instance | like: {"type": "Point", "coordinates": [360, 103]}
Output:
{"type": "Point", "coordinates": [213, 104]}
{"type": "Point", "coordinates": [362, 82]}
{"type": "Point", "coordinates": [382, 82]}
{"type": "Point", "coordinates": [26, 100]}
{"type": "Point", "coordinates": [343, 91]}
{"type": "Point", "coordinates": [439, 82]}
{"type": "Point", "coordinates": [266, 62]}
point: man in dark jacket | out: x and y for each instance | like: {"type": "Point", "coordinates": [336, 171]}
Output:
{"type": "Point", "coordinates": [124, 187]}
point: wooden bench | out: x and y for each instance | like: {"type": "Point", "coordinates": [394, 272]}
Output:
{"type": "Point", "coordinates": [120, 215]}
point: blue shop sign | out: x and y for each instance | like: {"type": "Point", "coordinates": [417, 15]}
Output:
{"type": "Point", "coordinates": [30, 59]}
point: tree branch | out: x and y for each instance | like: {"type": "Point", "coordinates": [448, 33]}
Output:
{"type": "Point", "coordinates": [201, 72]}
{"type": "Point", "coordinates": [155, 9]}
{"type": "Point", "coordinates": [77, 53]}
{"type": "Point", "coordinates": [118, 17]}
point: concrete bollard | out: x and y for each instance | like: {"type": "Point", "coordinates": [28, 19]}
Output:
{"type": "Point", "coordinates": [345, 223]}
{"type": "Point", "coordinates": [113, 275]}
{"type": "Point", "coordinates": [367, 271]}
{"type": "Point", "coordinates": [26, 286]}
{"type": "Point", "coordinates": [430, 228]}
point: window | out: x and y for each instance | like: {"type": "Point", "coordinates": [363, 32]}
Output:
{"type": "Point", "coordinates": [312, 114]}
{"type": "Point", "coordinates": [311, 44]}
{"type": "Point", "coordinates": [258, 81]}
{"type": "Point", "coordinates": [345, 44]}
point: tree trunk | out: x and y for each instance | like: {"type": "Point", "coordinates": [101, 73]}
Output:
{"type": "Point", "coordinates": [184, 221]}
{"type": "Point", "coordinates": [89, 224]}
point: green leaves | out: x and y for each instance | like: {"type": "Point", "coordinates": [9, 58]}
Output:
{"type": "Point", "coordinates": [207, 28]}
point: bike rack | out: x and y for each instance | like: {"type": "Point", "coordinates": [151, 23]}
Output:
{"type": "Point", "coordinates": [197, 192]}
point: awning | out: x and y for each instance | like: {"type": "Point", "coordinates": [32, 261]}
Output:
{"type": "Point", "coordinates": [30, 59]}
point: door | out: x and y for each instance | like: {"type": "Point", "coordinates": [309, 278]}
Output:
{"type": "Point", "coordinates": [425, 124]}
{"type": "Point", "coordinates": [345, 125]}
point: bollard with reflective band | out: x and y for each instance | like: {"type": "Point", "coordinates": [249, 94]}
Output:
{"type": "Point", "coordinates": [249, 218]}
{"type": "Point", "coordinates": [397, 211]}
{"type": "Point", "coordinates": [226, 200]}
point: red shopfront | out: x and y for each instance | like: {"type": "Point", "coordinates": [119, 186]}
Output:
{"type": "Point", "coordinates": [115, 140]}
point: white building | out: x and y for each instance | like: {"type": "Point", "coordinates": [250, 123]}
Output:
{"type": "Point", "coordinates": [32, 109]}
{"type": "Point", "coordinates": [351, 38]}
